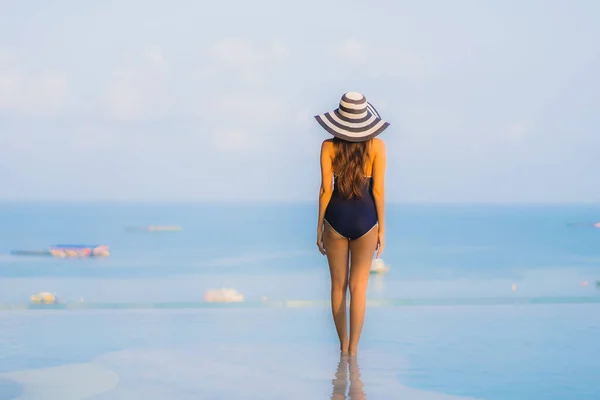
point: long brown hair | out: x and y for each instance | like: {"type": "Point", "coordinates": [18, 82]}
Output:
{"type": "Point", "coordinates": [349, 165]}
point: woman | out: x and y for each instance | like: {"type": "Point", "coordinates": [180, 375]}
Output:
{"type": "Point", "coordinates": [351, 207]}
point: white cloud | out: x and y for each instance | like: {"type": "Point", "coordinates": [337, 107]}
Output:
{"type": "Point", "coordinates": [155, 59]}
{"type": "Point", "coordinates": [280, 51]}
{"type": "Point", "coordinates": [91, 138]}
{"type": "Point", "coordinates": [261, 115]}
{"type": "Point", "coordinates": [245, 60]}
{"type": "Point", "coordinates": [262, 109]}
{"type": "Point", "coordinates": [234, 140]}
{"type": "Point", "coordinates": [258, 113]}
{"type": "Point", "coordinates": [235, 53]}
{"type": "Point", "coordinates": [242, 53]}
{"type": "Point", "coordinates": [25, 93]}
{"type": "Point", "coordinates": [382, 60]}
{"type": "Point", "coordinates": [139, 89]}
{"type": "Point", "coordinates": [519, 130]}
{"type": "Point", "coordinates": [206, 73]}
{"type": "Point", "coordinates": [352, 50]}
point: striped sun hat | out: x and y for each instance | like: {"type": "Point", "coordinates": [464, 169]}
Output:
{"type": "Point", "coordinates": [355, 120]}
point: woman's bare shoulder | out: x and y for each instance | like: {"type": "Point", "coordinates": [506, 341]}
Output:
{"type": "Point", "coordinates": [327, 145]}
{"type": "Point", "coordinates": [378, 145]}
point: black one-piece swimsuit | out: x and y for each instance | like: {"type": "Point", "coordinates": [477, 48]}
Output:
{"type": "Point", "coordinates": [352, 218]}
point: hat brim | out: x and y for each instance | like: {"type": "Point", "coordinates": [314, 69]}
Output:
{"type": "Point", "coordinates": [352, 130]}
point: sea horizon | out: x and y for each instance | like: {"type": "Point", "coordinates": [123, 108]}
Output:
{"type": "Point", "coordinates": [312, 202]}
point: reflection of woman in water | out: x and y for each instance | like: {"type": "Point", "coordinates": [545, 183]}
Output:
{"type": "Point", "coordinates": [351, 207]}
{"type": "Point", "coordinates": [340, 382]}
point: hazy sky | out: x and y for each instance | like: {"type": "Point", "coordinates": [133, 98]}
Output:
{"type": "Point", "coordinates": [489, 101]}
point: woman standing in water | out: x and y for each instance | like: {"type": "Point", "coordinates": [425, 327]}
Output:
{"type": "Point", "coordinates": [351, 225]}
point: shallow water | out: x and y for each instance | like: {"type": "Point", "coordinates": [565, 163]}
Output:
{"type": "Point", "coordinates": [538, 341]}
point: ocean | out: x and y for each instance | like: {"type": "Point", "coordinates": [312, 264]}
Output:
{"type": "Point", "coordinates": [481, 302]}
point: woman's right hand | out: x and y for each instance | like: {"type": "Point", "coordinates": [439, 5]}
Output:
{"type": "Point", "coordinates": [320, 243]}
{"type": "Point", "coordinates": [380, 243]}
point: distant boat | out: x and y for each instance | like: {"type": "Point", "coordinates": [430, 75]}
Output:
{"type": "Point", "coordinates": [378, 267]}
{"type": "Point", "coordinates": [584, 224]}
{"type": "Point", "coordinates": [44, 298]}
{"type": "Point", "coordinates": [223, 295]}
{"type": "Point", "coordinates": [67, 251]}
{"type": "Point", "coordinates": [44, 253]}
{"type": "Point", "coordinates": [79, 250]}
{"type": "Point", "coordinates": [154, 228]}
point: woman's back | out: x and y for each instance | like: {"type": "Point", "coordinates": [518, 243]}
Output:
{"type": "Point", "coordinates": [373, 168]}
{"type": "Point", "coordinates": [353, 214]}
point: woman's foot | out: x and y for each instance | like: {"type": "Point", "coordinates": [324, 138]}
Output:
{"type": "Point", "coordinates": [344, 348]}
{"type": "Point", "coordinates": [352, 350]}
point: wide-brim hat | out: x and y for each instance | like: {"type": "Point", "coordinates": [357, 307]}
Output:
{"type": "Point", "coordinates": [355, 120]}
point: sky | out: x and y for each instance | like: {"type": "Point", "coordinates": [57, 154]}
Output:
{"type": "Point", "coordinates": [129, 100]}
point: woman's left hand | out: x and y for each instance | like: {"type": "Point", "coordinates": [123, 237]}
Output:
{"type": "Point", "coordinates": [320, 241]}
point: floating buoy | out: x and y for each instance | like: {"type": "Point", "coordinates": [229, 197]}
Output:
{"type": "Point", "coordinates": [223, 295]}
{"type": "Point", "coordinates": [378, 267]}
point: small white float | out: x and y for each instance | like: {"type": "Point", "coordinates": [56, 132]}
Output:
{"type": "Point", "coordinates": [223, 295]}
{"type": "Point", "coordinates": [379, 267]}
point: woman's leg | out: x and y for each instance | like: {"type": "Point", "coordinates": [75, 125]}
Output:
{"type": "Point", "coordinates": [361, 256]}
{"type": "Point", "coordinates": [336, 247]}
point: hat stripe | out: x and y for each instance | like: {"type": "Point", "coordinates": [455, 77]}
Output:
{"type": "Point", "coordinates": [353, 117]}
{"type": "Point", "coordinates": [351, 120]}
{"type": "Point", "coordinates": [353, 106]}
{"type": "Point", "coordinates": [353, 137]}
{"type": "Point", "coordinates": [347, 99]}
{"type": "Point", "coordinates": [372, 110]}
{"type": "Point", "coordinates": [351, 132]}
{"type": "Point", "coordinates": [361, 126]}
{"type": "Point", "coordinates": [352, 110]}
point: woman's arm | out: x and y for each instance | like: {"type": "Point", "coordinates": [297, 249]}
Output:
{"type": "Point", "coordinates": [379, 164]}
{"type": "Point", "coordinates": [326, 182]}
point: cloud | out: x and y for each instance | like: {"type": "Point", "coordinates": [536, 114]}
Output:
{"type": "Point", "coordinates": [351, 50]}
{"type": "Point", "coordinates": [262, 109]}
{"type": "Point", "coordinates": [234, 53]}
{"type": "Point", "coordinates": [139, 89]}
{"type": "Point", "coordinates": [246, 118]}
{"type": "Point", "coordinates": [382, 60]}
{"type": "Point", "coordinates": [31, 94]}
{"type": "Point", "coordinates": [243, 111]}
{"type": "Point", "coordinates": [245, 60]}
{"type": "Point", "coordinates": [234, 140]}
{"type": "Point", "coordinates": [519, 130]}
{"type": "Point", "coordinates": [92, 138]}
{"type": "Point", "coordinates": [258, 117]}
{"type": "Point", "coordinates": [206, 73]}
{"type": "Point", "coordinates": [279, 51]}
{"type": "Point", "coordinates": [238, 57]}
